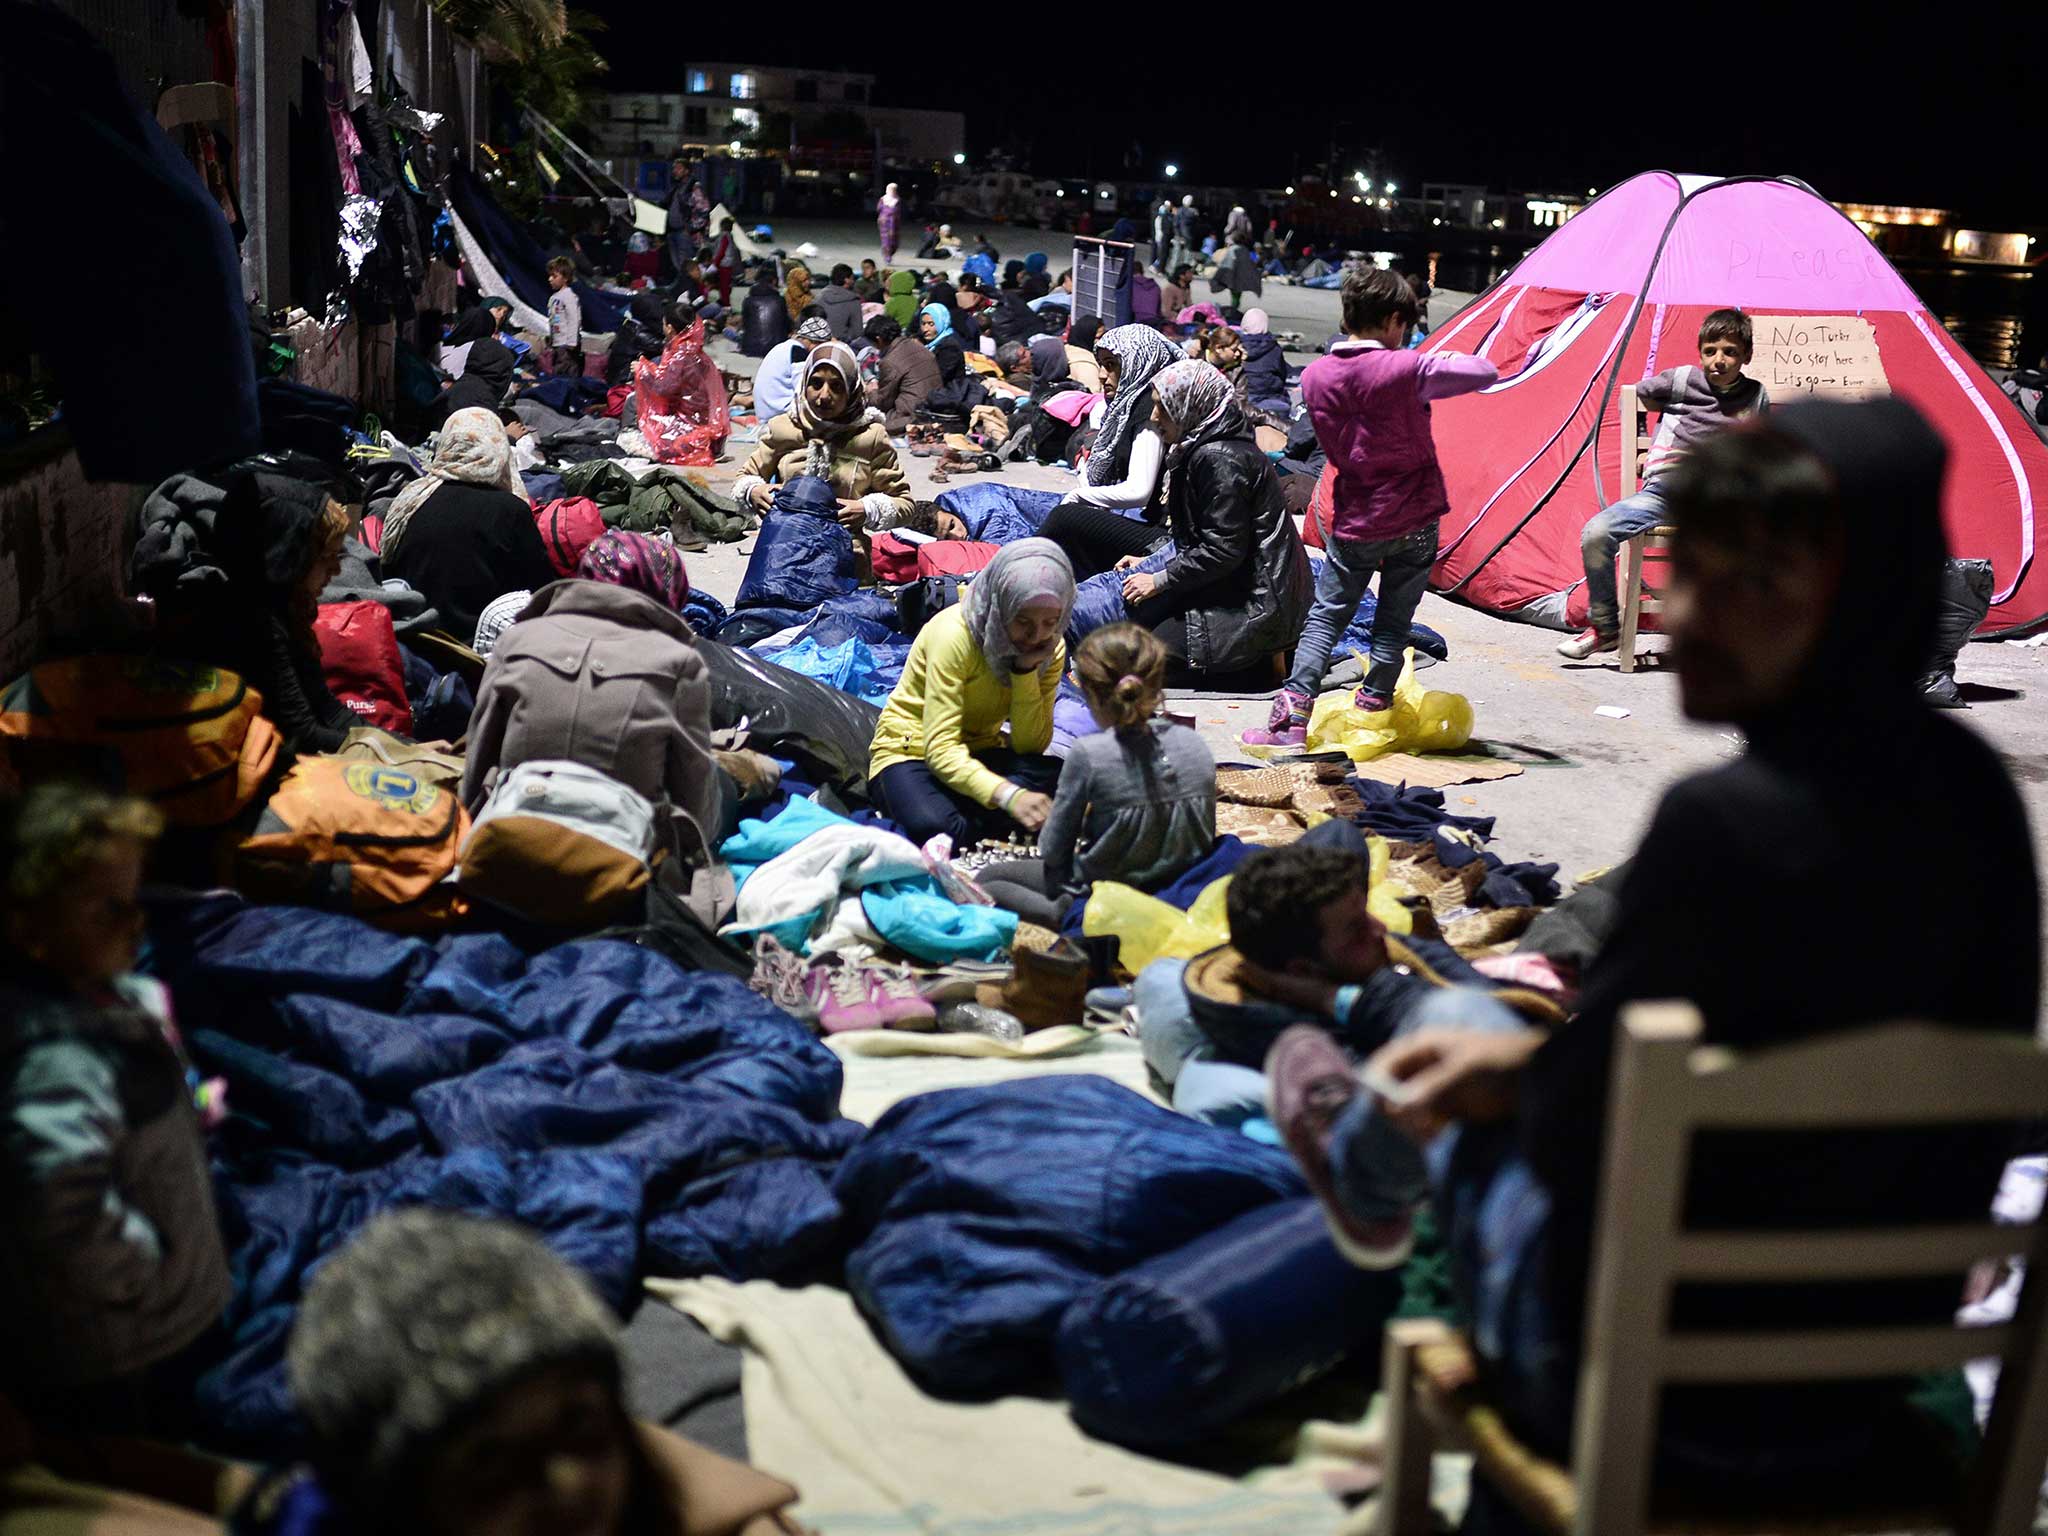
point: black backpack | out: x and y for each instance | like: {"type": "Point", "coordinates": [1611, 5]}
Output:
{"type": "Point", "coordinates": [923, 599]}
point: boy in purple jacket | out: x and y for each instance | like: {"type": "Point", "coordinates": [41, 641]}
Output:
{"type": "Point", "coordinates": [1369, 400]}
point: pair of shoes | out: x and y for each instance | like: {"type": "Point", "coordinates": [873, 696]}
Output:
{"type": "Point", "coordinates": [1309, 1083]}
{"type": "Point", "coordinates": [846, 996]}
{"type": "Point", "coordinates": [781, 977]}
{"type": "Point", "coordinates": [1371, 701]}
{"type": "Point", "coordinates": [1287, 726]}
{"type": "Point", "coordinates": [1590, 643]}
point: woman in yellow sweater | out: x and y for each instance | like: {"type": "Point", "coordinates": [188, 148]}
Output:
{"type": "Point", "coordinates": [940, 762]}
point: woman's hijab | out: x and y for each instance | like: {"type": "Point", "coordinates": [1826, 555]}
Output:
{"type": "Point", "coordinates": [1141, 353]}
{"type": "Point", "coordinates": [1256, 323]}
{"type": "Point", "coordinates": [796, 291]}
{"type": "Point", "coordinates": [838, 357]}
{"type": "Point", "coordinates": [901, 305]}
{"type": "Point", "coordinates": [1026, 572]}
{"type": "Point", "coordinates": [471, 450]}
{"type": "Point", "coordinates": [638, 561]}
{"type": "Point", "coordinates": [472, 325]}
{"type": "Point", "coordinates": [1036, 263]}
{"type": "Point", "coordinates": [889, 198]}
{"type": "Point", "coordinates": [1192, 396]}
{"type": "Point", "coordinates": [952, 361]}
{"type": "Point", "coordinates": [1084, 331]}
{"type": "Point", "coordinates": [942, 317]}
{"type": "Point", "coordinates": [1050, 371]}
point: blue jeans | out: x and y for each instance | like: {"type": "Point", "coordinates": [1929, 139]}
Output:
{"type": "Point", "coordinates": [1403, 565]}
{"type": "Point", "coordinates": [1605, 532]}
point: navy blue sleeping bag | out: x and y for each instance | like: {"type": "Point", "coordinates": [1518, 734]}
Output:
{"type": "Point", "coordinates": [978, 1216]}
{"type": "Point", "coordinates": [1188, 1342]}
{"type": "Point", "coordinates": [1099, 600]}
{"type": "Point", "coordinates": [798, 562]}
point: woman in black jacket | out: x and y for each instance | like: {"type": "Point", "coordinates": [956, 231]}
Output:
{"type": "Point", "coordinates": [1238, 588]}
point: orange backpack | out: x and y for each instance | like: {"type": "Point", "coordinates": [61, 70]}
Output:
{"type": "Point", "coordinates": [357, 837]}
{"type": "Point", "coordinates": [190, 737]}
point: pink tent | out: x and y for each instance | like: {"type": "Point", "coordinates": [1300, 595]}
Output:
{"type": "Point", "coordinates": [1618, 294]}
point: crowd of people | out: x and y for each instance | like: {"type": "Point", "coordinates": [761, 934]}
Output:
{"type": "Point", "coordinates": [453, 1374]}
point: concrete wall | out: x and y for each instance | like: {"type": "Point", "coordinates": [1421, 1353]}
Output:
{"type": "Point", "coordinates": [63, 551]}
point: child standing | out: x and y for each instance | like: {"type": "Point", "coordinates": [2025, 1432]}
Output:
{"type": "Point", "coordinates": [1136, 803]}
{"type": "Point", "coordinates": [565, 319]}
{"type": "Point", "coordinates": [1695, 404]}
{"type": "Point", "coordinates": [1369, 400]}
{"type": "Point", "coordinates": [113, 1262]}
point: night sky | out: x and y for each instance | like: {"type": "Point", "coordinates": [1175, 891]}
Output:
{"type": "Point", "coordinates": [1953, 117]}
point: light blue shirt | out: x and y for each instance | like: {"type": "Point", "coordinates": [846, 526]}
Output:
{"type": "Point", "coordinates": [775, 381]}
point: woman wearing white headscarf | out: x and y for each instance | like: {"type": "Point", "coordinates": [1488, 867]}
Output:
{"type": "Point", "coordinates": [463, 533]}
{"type": "Point", "coordinates": [828, 431]}
{"type": "Point", "coordinates": [1238, 587]}
{"type": "Point", "coordinates": [940, 762]}
{"type": "Point", "coordinates": [885, 221]}
{"type": "Point", "coordinates": [1114, 512]}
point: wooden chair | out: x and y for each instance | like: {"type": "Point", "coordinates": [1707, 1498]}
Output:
{"type": "Point", "coordinates": [1653, 546]}
{"type": "Point", "coordinates": [1666, 1087]}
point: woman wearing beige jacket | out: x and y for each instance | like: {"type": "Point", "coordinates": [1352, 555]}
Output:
{"type": "Point", "coordinates": [828, 432]}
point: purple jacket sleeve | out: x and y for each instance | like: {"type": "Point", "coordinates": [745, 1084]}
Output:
{"type": "Point", "coordinates": [1444, 374]}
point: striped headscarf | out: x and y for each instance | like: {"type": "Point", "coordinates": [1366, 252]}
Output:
{"type": "Point", "coordinates": [1141, 353]}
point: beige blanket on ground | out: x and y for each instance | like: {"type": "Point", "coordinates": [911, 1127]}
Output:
{"type": "Point", "coordinates": [830, 1409]}
{"type": "Point", "coordinates": [884, 1066]}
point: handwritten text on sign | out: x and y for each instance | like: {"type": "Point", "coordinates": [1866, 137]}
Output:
{"type": "Point", "coordinates": [1830, 355]}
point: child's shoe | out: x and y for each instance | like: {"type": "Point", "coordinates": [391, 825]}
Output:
{"type": "Point", "coordinates": [1590, 643]}
{"type": "Point", "coordinates": [1287, 726]}
{"type": "Point", "coordinates": [1371, 701]}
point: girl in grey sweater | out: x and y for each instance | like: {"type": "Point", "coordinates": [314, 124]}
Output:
{"type": "Point", "coordinates": [1136, 803]}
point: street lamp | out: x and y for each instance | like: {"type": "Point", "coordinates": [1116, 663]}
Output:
{"type": "Point", "coordinates": [958, 158]}
{"type": "Point", "coordinates": [1172, 170]}
{"type": "Point", "coordinates": [1390, 189]}
{"type": "Point", "coordinates": [1290, 191]}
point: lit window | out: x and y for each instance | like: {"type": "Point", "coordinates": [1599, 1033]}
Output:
{"type": "Point", "coordinates": [700, 82]}
{"type": "Point", "coordinates": [742, 87]}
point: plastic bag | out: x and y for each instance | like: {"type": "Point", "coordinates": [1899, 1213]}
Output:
{"type": "Point", "coordinates": [848, 666]}
{"type": "Point", "coordinates": [681, 399]}
{"type": "Point", "coordinates": [1148, 929]}
{"type": "Point", "coordinates": [1422, 720]}
{"type": "Point", "coordinates": [1965, 599]}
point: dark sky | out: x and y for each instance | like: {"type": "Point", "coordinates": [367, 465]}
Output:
{"type": "Point", "coordinates": [1955, 117]}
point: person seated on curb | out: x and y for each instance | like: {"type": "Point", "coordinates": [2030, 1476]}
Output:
{"type": "Point", "coordinates": [939, 762]}
{"type": "Point", "coordinates": [457, 1378]}
{"type": "Point", "coordinates": [829, 432]}
{"type": "Point", "coordinates": [1802, 600]}
{"type": "Point", "coordinates": [1305, 943]}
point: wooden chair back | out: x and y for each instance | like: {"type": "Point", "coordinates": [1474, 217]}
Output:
{"type": "Point", "coordinates": [1636, 439]}
{"type": "Point", "coordinates": [1667, 1088]}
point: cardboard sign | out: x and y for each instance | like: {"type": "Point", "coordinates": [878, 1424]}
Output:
{"type": "Point", "coordinates": [1830, 356]}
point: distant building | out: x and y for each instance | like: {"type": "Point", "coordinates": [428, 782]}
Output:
{"type": "Point", "coordinates": [723, 103]}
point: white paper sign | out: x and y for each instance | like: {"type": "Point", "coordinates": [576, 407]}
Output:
{"type": "Point", "coordinates": [1831, 356]}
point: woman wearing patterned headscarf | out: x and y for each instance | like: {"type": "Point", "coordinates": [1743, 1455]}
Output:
{"type": "Point", "coordinates": [639, 562]}
{"type": "Point", "coordinates": [829, 432]}
{"type": "Point", "coordinates": [1238, 588]}
{"type": "Point", "coordinates": [1112, 517]}
{"type": "Point", "coordinates": [940, 763]}
{"type": "Point", "coordinates": [463, 533]}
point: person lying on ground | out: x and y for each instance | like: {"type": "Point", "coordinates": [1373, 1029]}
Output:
{"type": "Point", "coordinates": [1369, 400]}
{"type": "Point", "coordinates": [114, 1268]}
{"type": "Point", "coordinates": [1137, 800]}
{"type": "Point", "coordinates": [459, 1379]}
{"type": "Point", "coordinates": [940, 763]}
{"type": "Point", "coordinates": [1238, 587]}
{"type": "Point", "coordinates": [907, 375]}
{"type": "Point", "coordinates": [1059, 296]}
{"type": "Point", "coordinates": [463, 533]}
{"type": "Point", "coordinates": [1801, 604]}
{"type": "Point", "coordinates": [775, 381]}
{"type": "Point", "coordinates": [1695, 402]}
{"type": "Point", "coordinates": [829, 432]}
{"type": "Point", "coordinates": [1125, 464]}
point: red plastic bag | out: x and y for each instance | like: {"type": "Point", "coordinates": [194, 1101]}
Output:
{"type": "Point", "coordinates": [894, 560]}
{"type": "Point", "coordinates": [684, 414]}
{"type": "Point", "coordinates": [359, 655]}
{"type": "Point", "coordinates": [568, 527]}
{"type": "Point", "coordinates": [954, 557]}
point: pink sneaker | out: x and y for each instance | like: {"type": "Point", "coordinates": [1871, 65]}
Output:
{"type": "Point", "coordinates": [896, 1000]}
{"type": "Point", "coordinates": [1287, 726]}
{"type": "Point", "coordinates": [1310, 1082]}
{"type": "Point", "coordinates": [1371, 702]}
{"type": "Point", "coordinates": [840, 997]}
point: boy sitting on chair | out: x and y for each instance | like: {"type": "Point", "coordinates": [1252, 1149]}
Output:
{"type": "Point", "coordinates": [1695, 403]}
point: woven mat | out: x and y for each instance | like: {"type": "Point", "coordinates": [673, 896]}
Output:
{"type": "Point", "coordinates": [1437, 770]}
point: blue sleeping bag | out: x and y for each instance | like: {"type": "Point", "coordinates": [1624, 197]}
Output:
{"type": "Point", "coordinates": [999, 514]}
{"type": "Point", "coordinates": [799, 560]}
{"type": "Point", "coordinates": [1100, 599]}
{"type": "Point", "coordinates": [1187, 1343]}
{"type": "Point", "coordinates": [978, 1216]}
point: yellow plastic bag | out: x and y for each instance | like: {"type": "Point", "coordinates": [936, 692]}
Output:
{"type": "Point", "coordinates": [1148, 929]}
{"type": "Point", "coordinates": [1383, 897]}
{"type": "Point", "coordinates": [1422, 720]}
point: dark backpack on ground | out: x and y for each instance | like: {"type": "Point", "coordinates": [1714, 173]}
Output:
{"type": "Point", "coordinates": [925, 598]}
